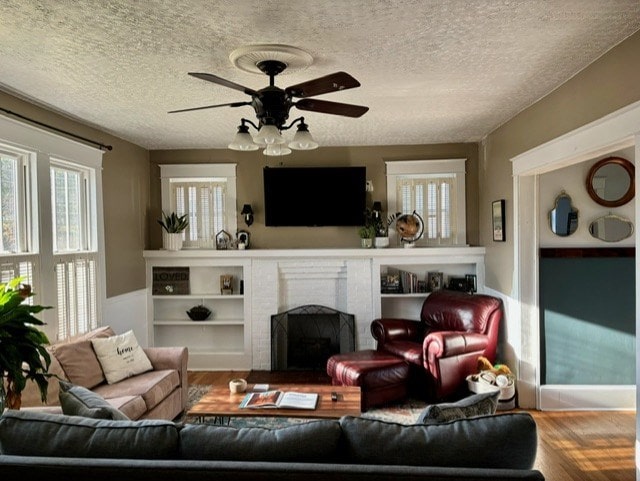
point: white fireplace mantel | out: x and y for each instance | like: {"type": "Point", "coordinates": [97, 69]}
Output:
{"type": "Point", "coordinates": [276, 280]}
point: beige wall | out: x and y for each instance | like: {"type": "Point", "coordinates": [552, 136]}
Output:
{"type": "Point", "coordinates": [125, 178]}
{"type": "Point", "coordinates": [610, 83]}
{"type": "Point", "coordinates": [250, 189]}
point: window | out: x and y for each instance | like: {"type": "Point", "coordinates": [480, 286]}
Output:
{"type": "Point", "coordinates": [435, 189]}
{"type": "Point", "coordinates": [13, 193]}
{"type": "Point", "coordinates": [50, 200]}
{"type": "Point", "coordinates": [204, 202]}
{"type": "Point", "coordinates": [75, 258]}
{"type": "Point", "coordinates": [206, 193]}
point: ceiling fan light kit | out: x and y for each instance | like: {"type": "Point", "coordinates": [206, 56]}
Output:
{"type": "Point", "coordinates": [272, 104]}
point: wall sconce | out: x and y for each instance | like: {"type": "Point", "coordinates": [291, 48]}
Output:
{"type": "Point", "coordinates": [247, 212]}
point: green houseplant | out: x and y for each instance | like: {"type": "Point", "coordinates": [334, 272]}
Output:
{"type": "Point", "coordinates": [23, 355]}
{"type": "Point", "coordinates": [173, 225]}
{"type": "Point", "coordinates": [367, 233]}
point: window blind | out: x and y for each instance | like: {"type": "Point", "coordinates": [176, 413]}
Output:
{"type": "Point", "coordinates": [76, 288]}
{"type": "Point", "coordinates": [204, 203]}
{"type": "Point", "coordinates": [432, 198]}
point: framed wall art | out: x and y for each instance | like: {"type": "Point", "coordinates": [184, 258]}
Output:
{"type": "Point", "coordinates": [497, 217]}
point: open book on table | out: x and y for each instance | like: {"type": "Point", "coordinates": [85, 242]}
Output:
{"type": "Point", "coordinates": [280, 399]}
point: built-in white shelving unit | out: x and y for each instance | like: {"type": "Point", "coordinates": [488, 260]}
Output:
{"type": "Point", "coordinates": [237, 336]}
{"type": "Point", "coordinates": [223, 340]}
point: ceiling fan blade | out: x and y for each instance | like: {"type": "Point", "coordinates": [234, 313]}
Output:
{"type": "Point", "coordinates": [322, 85]}
{"type": "Point", "coordinates": [335, 108]}
{"type": "Point", "coordinates": [225, 83]}
{"type": "Point", "coordinates": [232, 104]}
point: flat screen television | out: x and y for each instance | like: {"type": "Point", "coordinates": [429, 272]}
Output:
{"type": "Point", "coordinates": [314, 196]}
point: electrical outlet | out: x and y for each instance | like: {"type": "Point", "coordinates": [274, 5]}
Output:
{"type": "Point", "coordinates": [369, 186]}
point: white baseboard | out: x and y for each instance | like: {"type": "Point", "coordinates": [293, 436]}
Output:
{"type": "Point", "coordinates": [587, 398]}
{"type": "Point", "coordinates": [128, 312]}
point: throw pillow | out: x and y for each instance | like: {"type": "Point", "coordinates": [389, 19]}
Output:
{"type": "Point", "coordinates": [482, 404]}
{"type": "Point", "coordinates": [79, 401]}
{"type": "Point", "coordinates": [121, 356]}
{"type": "Point", "coordinates": [80, 363]}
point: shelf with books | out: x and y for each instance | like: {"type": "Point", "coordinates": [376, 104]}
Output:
{"type": "Point", "coordinates": [405, 283]}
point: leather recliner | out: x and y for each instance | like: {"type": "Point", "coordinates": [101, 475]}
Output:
{"type": "Point", "coordinates": [443, 347]}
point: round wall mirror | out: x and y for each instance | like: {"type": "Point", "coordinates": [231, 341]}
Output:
{"type": "Point", "coordinates": [611, 181]}
{"type": "Point", "coordinates": [611, 228]}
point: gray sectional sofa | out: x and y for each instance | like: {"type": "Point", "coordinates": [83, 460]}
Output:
{"type": "Point", "coordinates": [500, 447]}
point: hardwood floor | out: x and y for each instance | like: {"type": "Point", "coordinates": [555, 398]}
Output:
{"type": "Point", "coordinates": [572, 446]}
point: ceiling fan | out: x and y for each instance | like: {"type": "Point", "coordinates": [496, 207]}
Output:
{"type": "Point", "coordinates": [272, 104]}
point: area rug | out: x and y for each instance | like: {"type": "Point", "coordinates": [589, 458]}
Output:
{"type": "Point", "coordinates": [405, 412]}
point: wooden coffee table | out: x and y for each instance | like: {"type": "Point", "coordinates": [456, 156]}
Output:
{"type": "Point", "coordinates": [220, 403]}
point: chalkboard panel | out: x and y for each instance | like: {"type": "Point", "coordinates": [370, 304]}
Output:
{"type": "Point", "coordinates": [587, 309]}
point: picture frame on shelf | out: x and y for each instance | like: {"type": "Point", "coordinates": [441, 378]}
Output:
{"type": "Point", "coordinates": [226, 284]}
{"type": "Point", "coordinates": [498, 220]}
{"type": "Point", "coordinates": [435, 281]}
{"type": "Point", "coordinates": [243, 238]}
{"type": "Point", "coordinates": [223, 240]}
{"type": "Point", "coordinates": [170, 281]}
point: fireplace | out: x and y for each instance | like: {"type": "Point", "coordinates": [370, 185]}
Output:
{"type": "Point", "coordinates": [304, 338]}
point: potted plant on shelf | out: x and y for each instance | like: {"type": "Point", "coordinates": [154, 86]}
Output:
{"type": "Point", "coordinates": [367, 232]}
{"type": "Point", "coordinates": [23, 355]}
{"type": "Point", "coordinates": [173, 225]}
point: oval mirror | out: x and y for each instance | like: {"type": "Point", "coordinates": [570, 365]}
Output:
{"type": "Point", "coordinates": [611, 228]}
{"type": "Point", "coordinates": [611, 181]}
{"type": "Point", "coordinates": [563, 218]}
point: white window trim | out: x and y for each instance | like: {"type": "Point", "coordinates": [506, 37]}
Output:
{"type": "Point", "coordinates": [190, 171]}
{"type": "Point", "coordinates": [401, 168]}
{"type": "Point", "coordinates": [49, 146]}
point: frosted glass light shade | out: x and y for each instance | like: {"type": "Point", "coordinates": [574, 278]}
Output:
{"type": "Point", "coordinates": [268, 135]}
{"type": "Point", "coordinates": [243, 142]}
{"type": "Point", "coordinates": [303, 140]}
{"type": "Point", "coordinates": [276, 149]}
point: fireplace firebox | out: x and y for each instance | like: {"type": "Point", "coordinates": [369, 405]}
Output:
{"type": "Point", "coordinates": [305, 337]}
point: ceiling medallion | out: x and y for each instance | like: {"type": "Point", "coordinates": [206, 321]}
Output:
{"type": "Point", "coordinates": [248, 57]}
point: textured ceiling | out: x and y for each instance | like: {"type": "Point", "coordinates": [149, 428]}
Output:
{"type": "Point", "coordinates": [431, 70]}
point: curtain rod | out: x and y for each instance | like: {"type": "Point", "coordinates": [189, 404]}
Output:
{"type": "Point", "coordinates": [56, 129]}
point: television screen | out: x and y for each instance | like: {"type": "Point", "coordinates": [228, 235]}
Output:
{"type": "Point", "coordinates": [314, 196]}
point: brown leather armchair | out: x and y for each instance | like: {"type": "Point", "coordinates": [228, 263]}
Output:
{"type": "Point", "coordinates": [443, 347]}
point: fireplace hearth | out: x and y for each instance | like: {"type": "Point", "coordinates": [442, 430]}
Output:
{"type": "Point", "coordinates": [305, 337]}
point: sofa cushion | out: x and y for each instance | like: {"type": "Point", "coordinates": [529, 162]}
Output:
{"type": "Point", "coordinates": [80, 363]}
{"type": "Point", "coordinates": [482, 404]}
{"type": "Point", "coordinates": [121, 356]}
{"type": "Point", "coordinates": [133, 407]}
{"type": "Point", "coordinates": [28, 433]}
{"type": "Point", "coordinates": [78, 360]}
{"type": "Point", "coordinates": [152, 386]}
{"type": "Point", "coordinates": [500, 441]}
{"type": "Point", "coordinates": [315, 441]}
{"type": "Point", "coordinates": [79, 401]}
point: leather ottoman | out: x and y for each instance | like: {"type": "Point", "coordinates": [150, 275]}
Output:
{"type": "Point", "coordinates": [382, 377]}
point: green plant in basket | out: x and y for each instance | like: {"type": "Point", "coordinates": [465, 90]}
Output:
{"type": "Point", "coordinates": [23, 355]}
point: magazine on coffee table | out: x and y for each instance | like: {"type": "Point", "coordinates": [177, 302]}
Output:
{"type": "Point", "coordinates": [280, 400]}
